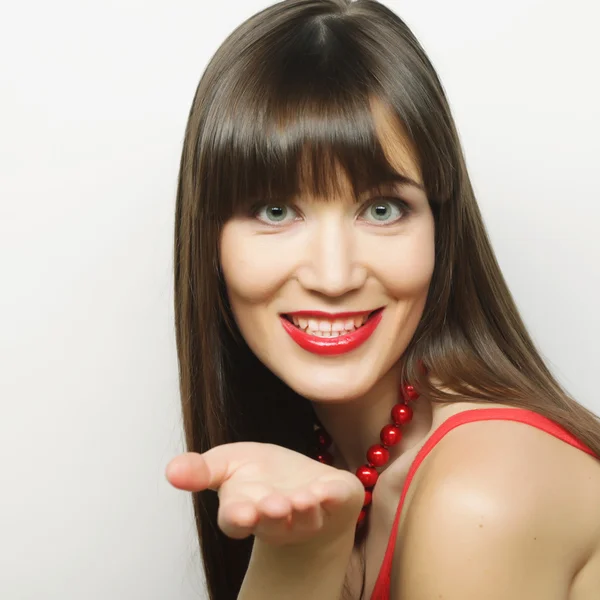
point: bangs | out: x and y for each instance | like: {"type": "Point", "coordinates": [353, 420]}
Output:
{"type": "Point", "coordinates": [311, 150]}
{"type": "Point", "coordinates": [297, 117]}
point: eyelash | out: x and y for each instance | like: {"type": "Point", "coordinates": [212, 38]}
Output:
{"type": "Point", "coordinates": [399, 203]}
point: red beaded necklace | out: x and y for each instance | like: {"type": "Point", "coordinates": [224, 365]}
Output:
{"type": "Point", "coordinates": [377, 455]}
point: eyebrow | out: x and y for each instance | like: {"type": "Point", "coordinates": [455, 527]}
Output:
{"type": "Point", "coordinates": [404, 180]}
{"type": "Point", "coordinates": [394, 179]}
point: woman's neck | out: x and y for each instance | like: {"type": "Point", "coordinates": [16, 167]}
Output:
{"type": "Point", "coordinates": [355, 425]}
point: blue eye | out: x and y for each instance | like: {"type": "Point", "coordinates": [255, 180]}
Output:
{"type": "Point", "coordinates": [274, 213]}
{"type": "Point", "coordinates": [384, 212]}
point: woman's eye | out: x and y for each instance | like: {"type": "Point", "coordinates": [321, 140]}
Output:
{"type": "Point", "coordinates": [384, 212]}
{"type": "Point", "coordinates": [275, 214]}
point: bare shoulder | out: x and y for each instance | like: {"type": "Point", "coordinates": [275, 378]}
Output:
{"type": "Point", "coordinates": [501, 509]}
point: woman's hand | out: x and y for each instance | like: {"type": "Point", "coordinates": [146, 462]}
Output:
{"type": "Point", "coordinates": [280, 496]}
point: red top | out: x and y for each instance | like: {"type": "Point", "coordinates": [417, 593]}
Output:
{"type": "Point", "coordinates": [381, 590]}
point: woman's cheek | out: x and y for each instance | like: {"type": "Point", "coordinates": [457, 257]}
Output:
{"type": "Point", "coordinates": [253, 267]}
{"type": "Point", "coordinates": [404, 269]}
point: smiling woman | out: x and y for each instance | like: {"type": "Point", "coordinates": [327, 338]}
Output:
{"type": "Point", "coordinates": [340, 251]}
{"type": "Point", "coordinates": [337, 298]}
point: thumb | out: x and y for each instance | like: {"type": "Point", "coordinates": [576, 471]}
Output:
{"type": "Point", "coordinates": [195, 472]}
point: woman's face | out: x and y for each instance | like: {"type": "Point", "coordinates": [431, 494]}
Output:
{"type": "Point", "coordinates": [338, 256]}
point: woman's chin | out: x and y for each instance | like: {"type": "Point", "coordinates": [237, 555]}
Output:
{"type": "Point", "coordinates": [332, 389]}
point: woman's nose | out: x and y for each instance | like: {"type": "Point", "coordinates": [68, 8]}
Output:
{"type": "Point", "coordinates": [331, 266]}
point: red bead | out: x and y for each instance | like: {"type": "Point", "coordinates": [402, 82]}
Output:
{"type": "Point", "coordinates": [390, 435]}
{"type": "Point", "coordinates": [378, 455]}
{"type": "Point", "coordinates": [367, 475]}
{"type": "Point", "coordinates": [323, 438]}
{"type": "Point", "coordinates": [402, 414]}
{"type": "Point", "coordinates": [325, 457]}
{"type": "Point", "coordinates": [410, 393]}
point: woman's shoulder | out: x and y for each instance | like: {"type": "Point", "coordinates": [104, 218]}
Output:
{"type": "Point", "coordinates": [518, 459]}
{"type": "Point", "coordinates": [512, 438]}
{"type": "Point", "coordinates": [503, 492]}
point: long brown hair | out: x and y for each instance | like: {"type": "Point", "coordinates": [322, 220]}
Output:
{"type": "Point", "coordinates": [292, 84]}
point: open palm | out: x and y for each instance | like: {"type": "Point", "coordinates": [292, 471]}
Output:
{"type": "Point", "coordinates": [276, 494]}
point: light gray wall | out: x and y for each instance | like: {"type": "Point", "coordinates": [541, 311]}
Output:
{"type": "Point", "coordinates": [93, 102]}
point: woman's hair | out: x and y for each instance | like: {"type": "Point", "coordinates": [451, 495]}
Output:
{"type": "Point", "coordinates": [285, 100]}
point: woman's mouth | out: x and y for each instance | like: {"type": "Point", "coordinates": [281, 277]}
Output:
{"type": "Point", "coordinates": [326, 334]}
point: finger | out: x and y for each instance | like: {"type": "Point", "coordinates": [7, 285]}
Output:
{"type": "Point", "coordinates": [274, 506]}
{"type": "Point", "coordinates": [333, 494]}
{"type": "Point", "coordinates": [238, 507]}
{"type": "Point", "coordinates": [194, 472]}
{"type": "Point", "coordinates": [275, 513]}
{"type": "Point", "coordinates": [289, 519]}
{"type": "Point", "coordinates": [238, 519]}
{"type": "Point", "coordinates": [189, 472]}
{"type": "Point", "coordinates": [307, 514]}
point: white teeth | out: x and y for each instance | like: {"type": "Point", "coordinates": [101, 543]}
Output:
{"type": "Point", "coordinates": [325, 334]}
{"type": "Point", "coordinates": [333, 328]}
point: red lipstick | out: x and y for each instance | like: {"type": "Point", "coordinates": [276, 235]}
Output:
{"type": "Point", "coordinates": [332, 346]}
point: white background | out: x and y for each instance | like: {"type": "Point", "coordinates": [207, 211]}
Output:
{"type": "Point", "coordinates": [94, 97]}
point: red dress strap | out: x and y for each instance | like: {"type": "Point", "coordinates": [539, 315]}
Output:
{"type": "Point", "coordinates": [382, 585]}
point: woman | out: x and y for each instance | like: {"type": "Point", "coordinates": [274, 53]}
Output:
{"type": "Point", "coordinates": [337, 298]}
